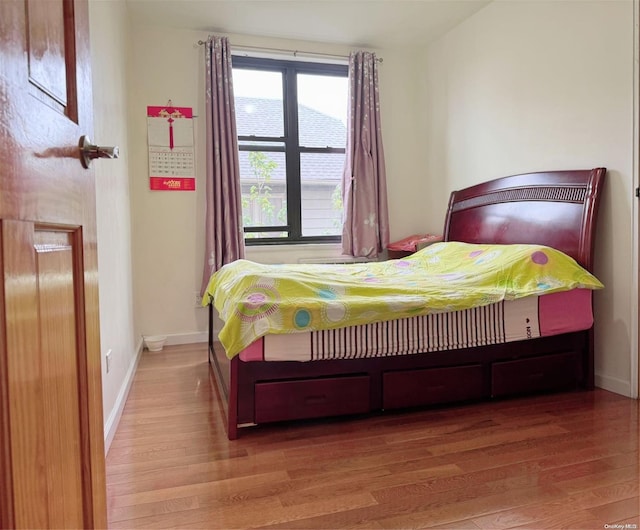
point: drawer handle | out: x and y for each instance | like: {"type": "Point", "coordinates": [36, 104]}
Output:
{"type": "Point", "coordinates": [315, 400]}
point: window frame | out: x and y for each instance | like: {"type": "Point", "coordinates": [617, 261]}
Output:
{"type": "Point", "coordinates": [292, 148]}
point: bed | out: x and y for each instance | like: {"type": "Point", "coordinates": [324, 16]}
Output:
{"type": "Point", "coordinates": [557, 209]}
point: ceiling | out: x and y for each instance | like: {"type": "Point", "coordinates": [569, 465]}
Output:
{"type": "Point", "coordinates": [365, 23]}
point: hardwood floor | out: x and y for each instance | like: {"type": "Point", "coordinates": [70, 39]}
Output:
{"type": "Point", "coordinates": [557, 461]}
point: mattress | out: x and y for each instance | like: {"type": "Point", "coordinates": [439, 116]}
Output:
{"type": "Point", "coordinates": [255, 299]}
{"type": "Point", "coordinates": [505, 321]}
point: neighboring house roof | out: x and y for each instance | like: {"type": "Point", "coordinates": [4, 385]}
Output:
{"type": "Point", "coordinates": [264, 117]}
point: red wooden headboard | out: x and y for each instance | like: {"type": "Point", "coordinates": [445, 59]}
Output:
{"type": "Point", "coordinates": [554, 208]}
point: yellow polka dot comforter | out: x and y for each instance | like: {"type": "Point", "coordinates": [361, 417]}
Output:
{"type": "Point", "coordinates": [255, 299]}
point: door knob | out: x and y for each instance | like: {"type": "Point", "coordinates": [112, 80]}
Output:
{"type": "Point", "coordinates": [89, 152]}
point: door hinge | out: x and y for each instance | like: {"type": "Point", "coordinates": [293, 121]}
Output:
{"type": "Point", "coordinates": [637, 192]}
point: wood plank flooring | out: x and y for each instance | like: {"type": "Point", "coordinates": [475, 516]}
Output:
{"type": "Point", "coordinates": [556, 461]}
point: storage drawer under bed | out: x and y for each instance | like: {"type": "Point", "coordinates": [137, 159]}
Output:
{"type": "Point", "coordinates": [412, 388]}
{"type": "Point", "coordinates": [311, 398]}
{"type": "Point", "coordinates": [536, 374]}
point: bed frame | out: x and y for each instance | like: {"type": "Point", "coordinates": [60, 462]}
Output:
{"type": "Point", "coordinates": [556, 208]}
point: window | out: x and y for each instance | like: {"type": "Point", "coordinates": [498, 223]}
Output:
{"type": "Point", "coordinates": [291, 120]}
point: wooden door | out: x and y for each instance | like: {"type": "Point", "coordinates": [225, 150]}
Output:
{"type": "Point", "coordinates": [51, 426]}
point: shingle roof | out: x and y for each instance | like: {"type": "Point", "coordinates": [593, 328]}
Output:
{"type": "Point", "coordinates": [264, 117]}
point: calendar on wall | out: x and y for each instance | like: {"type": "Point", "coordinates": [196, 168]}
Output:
{"type": "Point", "coordinates": [171, 148]}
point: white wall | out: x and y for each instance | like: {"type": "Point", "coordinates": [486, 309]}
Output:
{"type": "Point", "coordinates": [168, 234]}
{"type": "Point", "coordinates": [526, 86]}
{"type": "Point", "coordinates": [167, 226]}
{"type": "Point", "coordinates": [109, 49]}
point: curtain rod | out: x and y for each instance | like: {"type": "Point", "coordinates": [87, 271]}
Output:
{"type": "Point", "coordinates": [294, 52]}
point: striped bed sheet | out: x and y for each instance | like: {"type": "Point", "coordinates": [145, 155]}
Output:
{"type": "Point", "coordinates": [506, 321]}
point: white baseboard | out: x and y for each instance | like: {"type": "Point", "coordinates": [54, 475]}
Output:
{"type": "Point", "coordinates": [613, 384]}
{"type": "Point", "coordinates": [111, 425]}
{"type": "Point", "coordinates": [187, 338]}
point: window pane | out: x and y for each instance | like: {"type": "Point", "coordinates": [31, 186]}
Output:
{"type": "Point", "coordinates": [258, 101]}
{"type": "Point", "coordinates": [321, 177]}
{"type": "Point", "coordinates": [264, 191]}
{"type": "Point", "coordinates": [322, 110]}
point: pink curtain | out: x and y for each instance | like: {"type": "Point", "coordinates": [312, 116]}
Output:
{"type": "Point", "coordinates": [224, 232]}
{"type": "Point", "coordinates": [365, 230]}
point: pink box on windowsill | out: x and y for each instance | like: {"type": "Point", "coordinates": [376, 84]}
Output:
{"type": "Point", "coordinates": [409, 245]}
